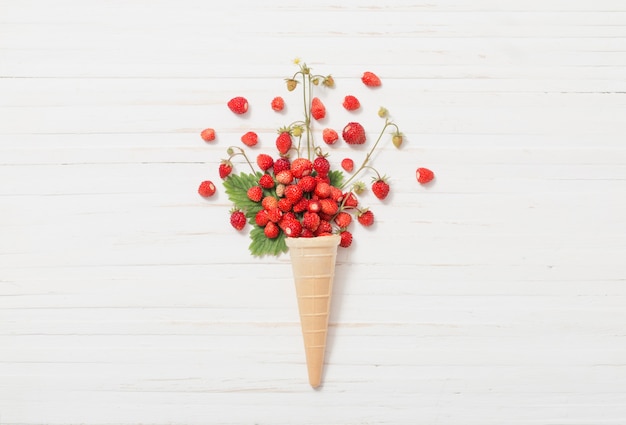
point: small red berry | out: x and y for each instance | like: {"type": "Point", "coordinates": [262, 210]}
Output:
{"type": "Point", "coordinates": [351, 103]}
{"type": "Point", "coordinates": [264, 161]}
{"type": "Point", "coordinates": [301, 167]}
{"type": "Point", "coordinates": [206, 188]}
{"type": "Point", "coordinates": [271, 230]}
{"type": "Point", "coordinates": [347, 164]}
{"type": "Point", "coordinates": [278, 103]}
{"type": "Point", "coordinates": [250, 138]}
{"type": "Point", "coordinates": [281, 164]}
{"type": "Point", "coordinates": [225, 168]}
{"type": "Point", "coordinates": [239, 105]}
{"type": "Point", "coordinates": [370, 79]}
{"type": "Point", "coordinates": [329, 136]}
{"type": "Point", "coordinates": [380, 187]}
{"type": "Point", "coordinates": [318, 110]}
{"type": "Point", "coordinates": [343, 219]}
{"type": "Point", "coordinates": [424, 175]}
{"type": "Point", "coordinates": [365, 217]}
{"type": "Point", "coordinates": [346, 239]}
{"type": "Point", "coordinates": [353, 134]}
{"type": "Point", "coordinates": [283, 142]}
{"type": "Point", "coordinates": [208, 134]}
{"type": "Point", "coordinates": [255, 193]}
{"type": "Point", "coordinates": [321, 165]}
{"type": "Point", "coordinates": [238, 219]}
{"type": "Point", "coordinates": [266, 181]}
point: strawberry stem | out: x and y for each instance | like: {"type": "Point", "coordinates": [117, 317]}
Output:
{"type": "Point", "coordinates": [242, 153]}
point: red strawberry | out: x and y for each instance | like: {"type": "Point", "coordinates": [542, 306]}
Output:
{"type": "Point", "coordinates": [285, 204]}
{"type": "Point", "coordinates": [208, 134]}
{"type": "Point", "coordinates": [274, 214]}
{"type": "Point", "coordinates": [321, 165]}
{"type": "Point", "coordinates": [301, 167]}
{"type": "Point", "coordinates": [310, 220]}
{"type": "Point", "coordinates": [206, 188]}
{"type": "Point", "coordinates": [300, 205]}
{"type": "Point", "coordinates": [424, 175]}
{"type": "Point", "coordinates": [351, 103]}
{"type": "Point", "coordinates": [330, 136]}
{"type": "Point", "coordinates": [271, 230]}
{"type": "Point", "coordinates": [255, 193]}
{"type": "Point", "coordinates": [370, 79]}
{"type": "Point", "coordinates": [225, 168]}
{"type": "Point", "coordinates": [281, 164]}
{"type": "Point", "coordinates": [284, 177]}
{"type": "Point", "coordinates": [269, 202]}
{"type": "Point", "coordinates": [366, 217]}
{"type": "Point", "coordinates": [322, 190]}
{"type": "Point", "coordinates": [324, 228]}
{"type": "Point", "coordinates": [266, 181]}
{"type": "Point", "coordinates": [328, 206]}
{"type": "Point", "coordinates": [314, 206]}
{"type": "Point", "coordinates": [347, 164]}
{"type": "Point", "coordinates": [261, 218]}
{"type": "Point", "coordinates": [239, 105]}
{"type": "Point", "coordinates": [250, 138]}
{"type": "Point", "coordinates": [380, 187]}
{"type": "Point", "coordinates": [307, 183]}
{"type": "Point", "coordinates": [237, 219]}
{"type": "Point", "coordinates": [293, 192]}
{"type": "Point", "coordinates": [283, 142]}
{"type": "Point", "coordinates": [292, 228]}
{"type": "Point", "coordinates": [343, 219]}
{"type": "Point", "coordinates": [264, 161]}
{"type": "Point", "coordinates": [346, 239]}
{"type": "Point", "coordinates": [318, 110]}
{"type": "Point", "coordinates": [306, 233]}
{"type": "Point", "coordinates": [278, 103]}
{"type": "Point", "coordinates": [354, 133]}
{"type": "Point", "coordinates": [351, 200]}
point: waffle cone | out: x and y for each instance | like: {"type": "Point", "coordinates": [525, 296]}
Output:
{"type": "Point", "coordinates": [313, 266]}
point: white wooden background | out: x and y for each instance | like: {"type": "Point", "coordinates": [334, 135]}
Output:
{"type": "Point", "coordinates": [495, 296]}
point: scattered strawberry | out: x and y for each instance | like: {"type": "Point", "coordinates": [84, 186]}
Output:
{"type": "Point", "coordinates": [343, 219]}
{"type": "Point", "coordinates": [329, 136]}
{"type": "Point", "coordinates": [351, 103]}
{"type": "Point", "coordinates": [206, 188]}
{"type": "Point", "coordinates": [266, 181]}
{"type": "Point", "coordinates": [301, 167]}
{"type": "Point", "coordinates": [271, 230]}
{"type": "Point", "coordinates": [225, 168]}
{"type": "Point", "coordinates": [250, 138]}
{"type": "Point", "coordinates": [380, 187]}
{"type": "Point", "coordinates": [318, 110]}
{"type": "Point", "coordinates": [424, 175]}
{"type": "Point", "coordinates": [347, 164]}
{"type": "Point", "coordinates": [353, 134]}
{"type": "Point", "coordinates": [370, 79]}
{"type": "Point", "coordinates": [278, 103]}
{"type": "Point", "coordinates": [237, 219]}
{"type": "Point", "coordinates": [255, 193]}
{"type": "Point", "coordinates": [365, 217]}
{"type": "Point", "coordinates": [321, 165]}
{"type": "Point", "coordinates": [239, 105]}
{"type": "Point", "coordinates": [264, 161]}
{"type": "Point", "coordinates": [351, 200]}
{"type": "Point", "coordinates": [283, 142]}
{"type": "Point", "coordinates": [208, 134]}
{"type": "Point", "coordinates": [345, 239]}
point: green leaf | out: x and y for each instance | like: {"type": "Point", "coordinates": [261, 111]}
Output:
{"type": "Point", "coordinates": [336, 178]}
{"type": "Point", "coordinates": [261, 245]}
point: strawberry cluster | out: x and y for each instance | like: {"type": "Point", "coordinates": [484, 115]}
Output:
{"type": "Point", "coordinates": [295, 193]}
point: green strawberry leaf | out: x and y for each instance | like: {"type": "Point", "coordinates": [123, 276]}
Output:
{"type": "Point", "coordinates": [336, 178]}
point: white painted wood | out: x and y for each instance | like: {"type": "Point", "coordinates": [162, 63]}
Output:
{"type": "Point", "coordinates": [494, 296]}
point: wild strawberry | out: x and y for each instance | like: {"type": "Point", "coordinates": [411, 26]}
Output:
{"type": "Point", "coordinates": [237, 219]}
{"type": "Point", "coordinates": [239, 105]}
{"type": "Point", "coordinates": [351, 103]}
{"type": "Point", "coordinates": [343, 219]}
{"type": "Point", "coordinates": [307, 183]}
{"type": "Point", "coordinates": [283, 142]}
{"type": "Point", "coordinates": [281, 164]}
{"type": "Point", "coordinates": [329, 136]}
{"type": "Point", "coordinates": [324, 228]}
{"type": "Point", "coordinates": [264, 161]}
{"type": "Point", "coordinates": [310, 220]}
{"type": "Point", "coordinates": [322, 179]}
{"type": "Point", "coordinates": [280, 190]}
{"type": "Point", "coordinates": [370, 79]}
{"type": "Point", "coordinates": [328, 206]}
{"type": "Point", "coordinates": [322, 190]}
{"type": "Point", "coordinates": [306, 233]}
{"type": "Point", "coordinates": [271, 230]}
{"type": "Point", "coordinates": [424, 175]}
{"type": "Point", "coordinates": [345, 239]}
{"type": "Point", "coordinates": [347, 164]}
{"type": "Point", "coordinates": [396, 139]}
{"type": "Point", "coordinates": [380, 187]}
{"type": "Point", "coordinates": [301, 205]}
{"type": "Point", "coordinates": [261, 218]}
{"type": "Point", "coordinates": [318, 110]}
{"type": "Point", "coordinates": [314, 206]}
{"type": "Point", "coordinates": [266, 181]}
{"type": "Point", "coordinates": [278, 103]}
{"type": "Point", "coordinates": [336, 194]}
{"type": "Point", "coordinates": [291, 84]}
{"type": "Point", "coordinates": [292, 228]}
{"type": "Point", "coordinates": [293, 192]}
{"type": "Point", "coordinates": [208, 134]}
{"type": "Point", "coordinates": [284, 177]}
{"type": "Point", "coordinates": [225, 168]}
{"type": "Point", "coordinates": [285, 204]}
{"type": "Point", "coordinates": [250, 138]}
{"type": "Point", "coordinates": [365, 217]}
{"type": "Point", "coordinates": [255, 193]}
{"type": "Point", "coordinates": [274, 214]}
{"type": "Point", "coordinates": [353, 133]}
{"type": "Point", "coordinates": [351, 200]}
{"type": "Point", "coordinates": [206, 188]}
{"type": "Point", "coordinates": [269, 202]}
{"type": "Point", "coordinates": [301, 167]}
{"type": "Point", "coordinates": [321, 165]}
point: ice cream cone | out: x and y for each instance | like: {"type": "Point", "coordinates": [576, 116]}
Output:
{"type": "Point", "coordinates": [313, 266]}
